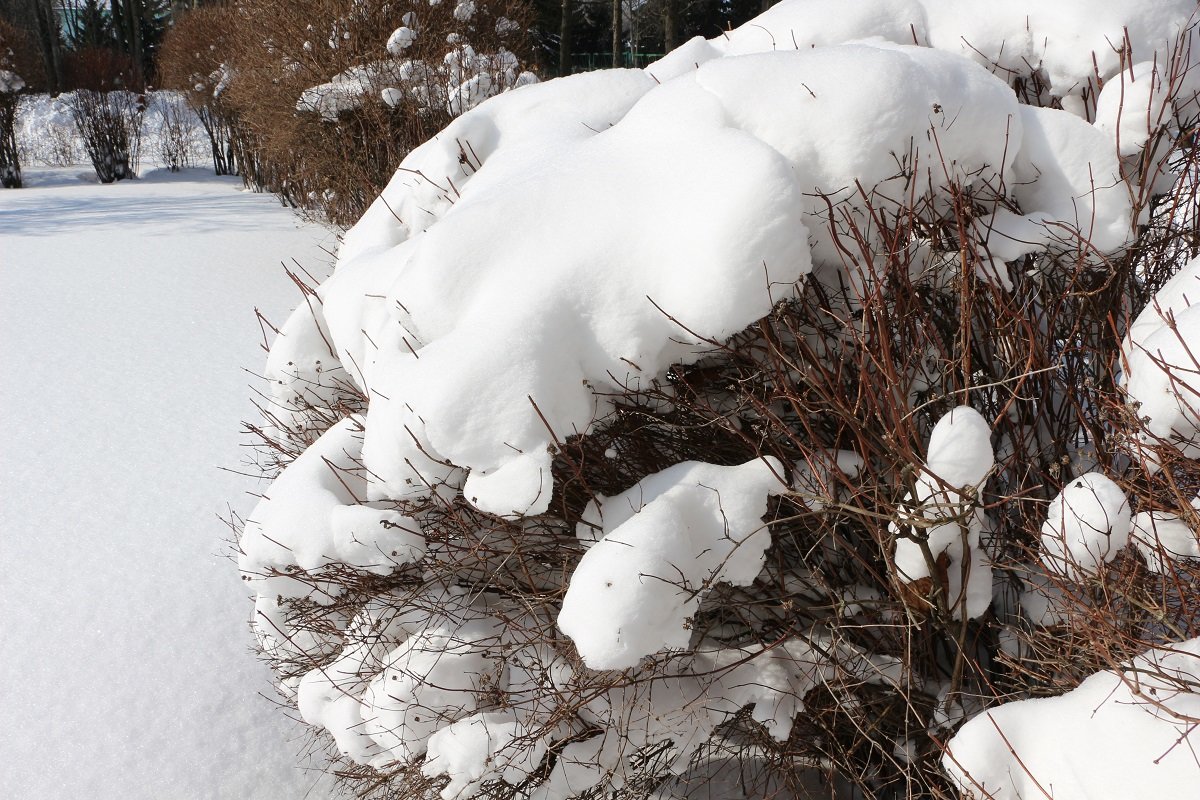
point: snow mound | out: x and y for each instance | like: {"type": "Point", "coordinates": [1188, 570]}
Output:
{"type": "Point", "coordinates": [1162, 376]}
{"type": "Point", "coordinates": [456, 359]}
{"type": "Point", "coordinates": [960, 448]}
{"type": "Point", "coordinates": [666, 541]}
{"type": "Point", "coordinates": [400, 40]}
{"type": "Point", "coordinates": [10, 82]}
{"type": "Point", "coordinates": [1120, 734]}
{"type": "Point", "coordinates": [483, 747]}
{"type": "Point", "coordinates": [312, 518]}
{"type": "Point", "coordinates": [1165, 539]}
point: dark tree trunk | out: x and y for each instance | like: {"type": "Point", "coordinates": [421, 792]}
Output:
{"type": "Point", "coordinates": [564, 38]}
{"type": "Point", "coordinates": [669, 26]}
{"type": "Point", "coordinates": [47, 34]}
{"type": "Point", "coordinates": [10, 164]}
{"type": "Point", "coordinates": [133, 31]}
{"type": "Point", "coordinates": [126, 15]}
{"type": "Point", "coordinates": [617, 61]}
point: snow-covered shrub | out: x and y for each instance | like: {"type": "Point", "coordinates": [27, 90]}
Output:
{"type": "Point", "coordinates": [776, 406]}
{"type": "Point", "coordinates": [110, 124]}
{"type": "Point", "coordinates": [107, 116]}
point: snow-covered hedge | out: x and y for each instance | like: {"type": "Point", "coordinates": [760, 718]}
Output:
{"type": "Point", "coordinates": [772, 406]}
{"type": "Point", "coordinates": [320, 100]}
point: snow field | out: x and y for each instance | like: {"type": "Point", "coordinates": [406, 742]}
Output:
{"type": "Point", "coordinates": [126, 315]}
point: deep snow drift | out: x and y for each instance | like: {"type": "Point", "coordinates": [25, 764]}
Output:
{"type": "Point", "coordinates": [126, 313]}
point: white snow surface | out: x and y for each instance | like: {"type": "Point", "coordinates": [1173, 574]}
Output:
{"type": "Point", "coordinates": [126, 312]}
{"type": "Point", "coordinates": [1119, 735]}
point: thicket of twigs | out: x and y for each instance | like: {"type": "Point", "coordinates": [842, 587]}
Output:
{"type": "Point", "coordinates": [193, 60]}
{"type": "Point", "coordinates": [107, 114]}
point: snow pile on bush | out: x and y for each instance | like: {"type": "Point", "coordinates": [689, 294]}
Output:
{"type": "Point", "coordinates": [1128, 733]}
{"type": "Point", "coordinates": [462, 80]}
{"type": "Point", "coordinates": [946, 524]}
{"type": "Point", "coordinates": [562, 250]}
{"type": "Point", "coordinates": [1087, 524]}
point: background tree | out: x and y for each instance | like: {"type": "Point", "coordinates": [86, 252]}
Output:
{"type": "Point", "coordinates": [92, 27]}
{"type": "Point", "coordinates": [13, 62]}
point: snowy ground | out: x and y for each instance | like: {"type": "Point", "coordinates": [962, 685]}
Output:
{"type": "Point", "coordinates": [125, 314]}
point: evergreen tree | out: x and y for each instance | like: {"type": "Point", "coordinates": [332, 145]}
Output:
{"type": "Point", "coordinates": [92, 27]}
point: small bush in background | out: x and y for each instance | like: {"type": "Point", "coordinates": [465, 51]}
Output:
{"type": "Point", "coordinates": [110, 125]}
{"type": "Point", "coordinates": [107, 117]}
{"type": "Point", "coordinates": [176, 132]}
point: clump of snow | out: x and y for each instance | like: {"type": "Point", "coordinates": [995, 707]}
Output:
{"type": "Point", "coordinates": [345, 91]}
{"type": "Point", "coordinates": [10, 82]}
{"type": "Point", "coordinates": [776, 681]}
{"type": "Point", "coordinates": [464, 10]}
{"type": "Point", "coordinates": [311, 518]}
{"type": "Point", "coordinates": [1071, 48]}
{"type": "Point", "coordinates": [1165, 539]}
{"type": "Point", "coordinates": [391, 96]}
{"type": "Point", "coordinates": [666, 541]}
{"type": "Point", "coordinates": [941, 519]}
{"type": "Point", "coordinates": [690, 696]}
{"type": "Point", "coordinates": [1133, 105]}
{"type": "Point", "coordinates": [1177, 294]}
{"type": "Point", "coordinates": [1122, 733]}
{"type": "Point", "coordinates": [1086, 525]}
{"type": "Point", "coordinates": [960, 448]}
{"type": "Point", "coordinates": [464, 79]}
{"type": "Point", "coordinates": [1162, 376]}
{"type": "Point", "coordinates": [482, 747]}
{"type": "Point", "coordinates": [302, 370]}
{"type": "Point", "coordinates": [521, 487]}
{"type": "Point", "coordinates": [331, 696]}
{"type": "Point", "coordinates": [400, 40]}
